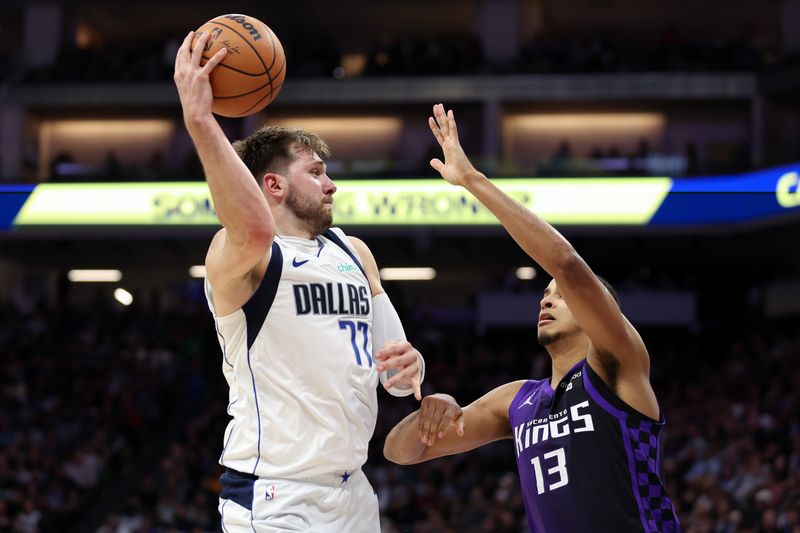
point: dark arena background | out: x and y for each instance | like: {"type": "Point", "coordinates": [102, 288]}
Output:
{"type": "Point", "coordinates": [662, 138]}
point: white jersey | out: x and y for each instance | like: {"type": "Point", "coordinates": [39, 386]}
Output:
{"type": "Point", "coordinates": [298, 360]}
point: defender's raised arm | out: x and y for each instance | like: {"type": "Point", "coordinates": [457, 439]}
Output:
{"type": "Point", "coordinates": [616, 345]}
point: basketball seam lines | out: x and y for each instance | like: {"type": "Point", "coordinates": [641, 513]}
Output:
{"type": "Point", "coordinates": [270, 78]}
{"type": "Point", "coordinates": [243, 113]}
{"type": "Point", "coordinates": [244, 94]}
{"type": "Point", "coordinates": [260, 99]}
{"type": "Point", "coordinates": [253, 48]}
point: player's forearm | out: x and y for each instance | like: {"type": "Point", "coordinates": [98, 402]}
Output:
{"type": "Point", "coordinates": [541, 241]}
{"type": "Point", "coordinates": [238, 200]}
{"type": "Point", "coordinates": [403, 445]}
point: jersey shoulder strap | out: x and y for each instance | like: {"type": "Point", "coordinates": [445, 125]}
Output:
{"type": "Point", "coordinates": [258, 306]}
{"type": "Point", "coordinates": [337, 236]}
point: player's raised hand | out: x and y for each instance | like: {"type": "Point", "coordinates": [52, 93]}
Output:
{"type": "Point", "coordinates": [401, 360]}
{"type": "Point", "coordinates": [437, 415]}
{"type": "Point", "coordinates": [192, 78]}
{"type": "Point", "coordinates": [456, 167]}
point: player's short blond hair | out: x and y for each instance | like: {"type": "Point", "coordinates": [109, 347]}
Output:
{"type": "Point", "coordinates": [269, 148]}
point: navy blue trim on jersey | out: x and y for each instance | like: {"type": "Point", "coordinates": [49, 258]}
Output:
{"type": "Point", "coordinates": [222, 516]}
{"type": "Point", "coordinates": [257, 307]}
{"type": "Point", "coordinates": [258, 413]}
{"type": "Point", "coordinates": [228, 409]}
{"type": "Point", "coordinates": [224, 343]}
{"type": "Point", "coordinates": [338, 242]}
{"type": "Point", "coordinates": [225, 447]}
{"type": "Point", "coordinates": [237, 487]}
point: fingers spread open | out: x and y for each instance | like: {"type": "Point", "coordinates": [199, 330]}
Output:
{"type": "Point", "coordinates": [184, 53]}
{"type": "Point", "coordinates": [214, 61]}
{"type": "Point", "coordinates": [435, 129]}
{"type": "Point", "coordinates": [441, 120]}
{"type": "Point", "coordinates": [199, 46]}
{"type": "Point", "coordinates": [437, 165]}
{"type": "Point", "coordinates": [451, 122]}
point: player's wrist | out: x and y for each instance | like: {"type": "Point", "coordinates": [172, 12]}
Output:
{"type": "Point", "coordinates": [198, 122]}
{"type": "Point", "coordinates": [472, 176]}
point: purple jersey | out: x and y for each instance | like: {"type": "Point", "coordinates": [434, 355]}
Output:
{"type": "Point", "coordinates": [586, 460]}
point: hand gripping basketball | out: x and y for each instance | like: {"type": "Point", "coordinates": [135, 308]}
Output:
{"type": "Point", "coordinates": [251, 74]}
{"type": "Point", "coordinates": [192, 78]}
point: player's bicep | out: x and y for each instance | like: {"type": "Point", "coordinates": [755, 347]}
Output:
{"type": "Point", "coordinates": [369, 264]}
{"type": "Point", "coordinates": [230, 264]}
{"type": "Point", "coordinates": [601, 318]}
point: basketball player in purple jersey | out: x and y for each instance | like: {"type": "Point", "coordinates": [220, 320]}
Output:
{"type": "Point", "coordinates": [587, 440]}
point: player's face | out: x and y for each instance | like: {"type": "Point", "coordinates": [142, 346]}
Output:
{"type": "Point", "coordinates": [310, 194]}
{"type": "Point", "coordinates": [555, 318]}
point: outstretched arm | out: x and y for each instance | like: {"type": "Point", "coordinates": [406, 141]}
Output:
{"type": "Point", "coordinates": [590, 302]}
{"type": "Point", "coordinates": [426, 433]}
{"type": "Point", "coordinates": [240, 204]}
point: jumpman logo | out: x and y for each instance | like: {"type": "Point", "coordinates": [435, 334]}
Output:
{"type": "Point", "coordinates": [528, 400]}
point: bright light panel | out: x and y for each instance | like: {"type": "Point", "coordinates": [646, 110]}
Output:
{"type": "Point", "coordinates": [539, 136]}
{"type": "Point", "coordinates": [91, 140]}
{"type": "Point", "coordinates": [407, 274]}
{"type": "Point", "coordinates": [123, 296]}
{"type": "Point", "coordinates": [526, 273]}
{"type": "Point", "coordinates": [583, 121]}
{"type": "Point", "coordinates": [197, 271]}
{"type": "Point", "coordinates": [88, 276]}
{"type": "Point", "coordinates": [366, 138]}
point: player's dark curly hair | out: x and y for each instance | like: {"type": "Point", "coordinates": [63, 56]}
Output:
{"type": "Point", "coordinates": [268, 149]}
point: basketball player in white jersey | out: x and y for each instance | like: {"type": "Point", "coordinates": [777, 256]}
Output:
{"type": "Point", "coordinates": [298, 308]}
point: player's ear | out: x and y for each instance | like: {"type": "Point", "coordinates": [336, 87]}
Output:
{"type": "Point", "coordinates": [274, 185]}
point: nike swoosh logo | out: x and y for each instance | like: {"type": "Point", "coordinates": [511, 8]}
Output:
{"type": "Point", "coordinates": [296, 263]}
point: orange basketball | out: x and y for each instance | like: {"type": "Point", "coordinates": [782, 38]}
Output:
{"type": "Point", "coordinates": [251, 74]}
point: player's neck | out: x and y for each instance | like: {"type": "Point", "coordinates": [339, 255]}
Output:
{"type": "Point", "coordinates": [566, 353]}
{"type": "Point", "coordinates": [289, 225]}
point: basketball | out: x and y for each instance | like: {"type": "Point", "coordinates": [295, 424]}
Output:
{"type": "Point", "coordinates": [252, 72]}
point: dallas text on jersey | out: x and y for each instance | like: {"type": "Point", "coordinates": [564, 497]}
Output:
{"type": "Point", "coordinates": [331, 299]}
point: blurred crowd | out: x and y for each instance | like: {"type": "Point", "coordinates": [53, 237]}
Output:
{"type": "Point", "coordinates": [320, 56]}
{"type": "Point", "coordinates": [84, 392]}
{"type": "Point", "coordinates": [600, 161]}
{"type": "Point", "coordinates": [670, 53]}
{"type": "Point", "coordinates": [113, 418]}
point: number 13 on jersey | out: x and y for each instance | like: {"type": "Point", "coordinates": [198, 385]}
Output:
{"type": "Point", "coordinates": [556, 474]}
